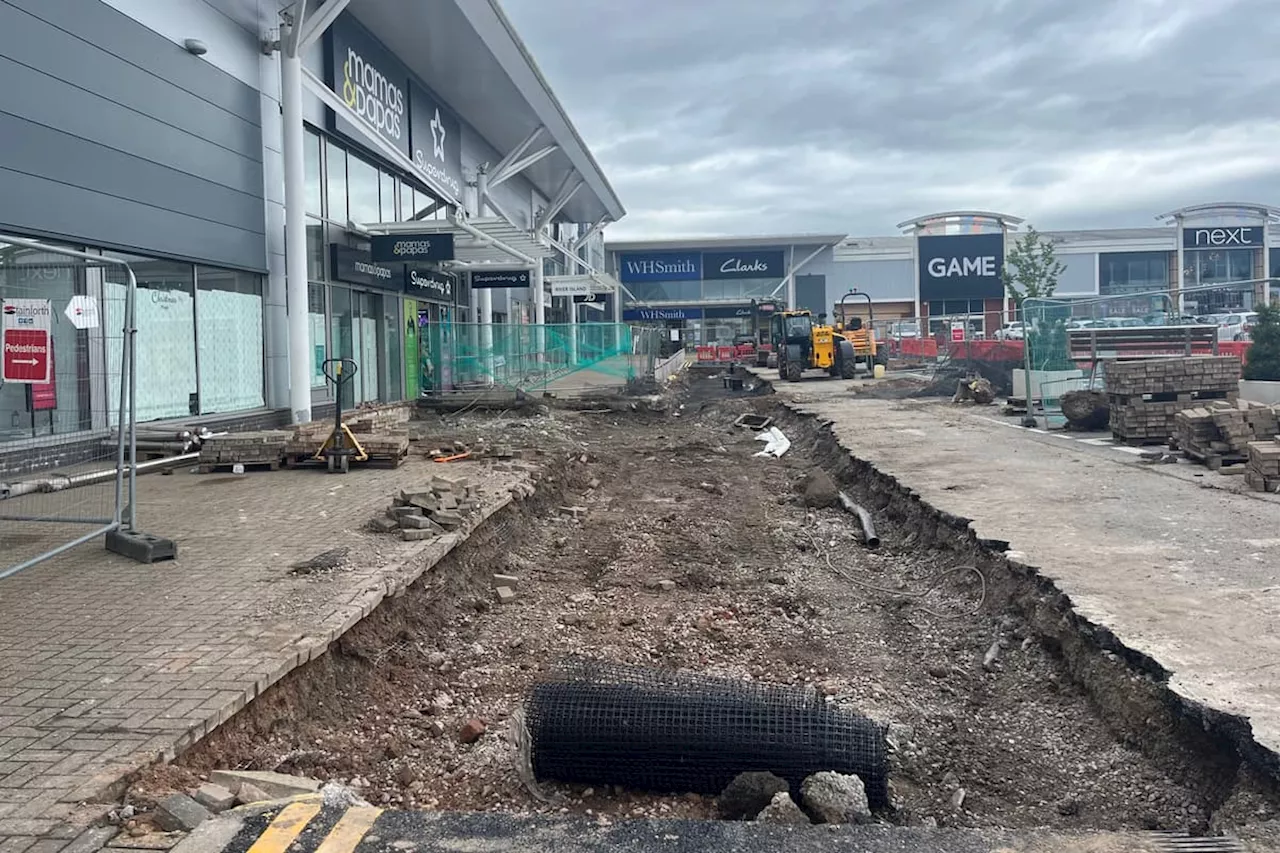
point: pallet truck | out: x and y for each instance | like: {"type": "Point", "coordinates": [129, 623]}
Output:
{"type": "Point", "coordinates": [341, 447]}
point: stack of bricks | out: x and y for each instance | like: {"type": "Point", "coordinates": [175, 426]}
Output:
{"type": "Point", "coordinates": [428, 512]}
{"type": "Point", "coordinates": [1263, 471]}
{"type": "Point", "coordinates": [1222, 428]}
{"type": "Point", "coordinates": [1146, 396]}
{"type": "Point", "coordinates": [244, 448]}
{"type": "Point", "coordinates": [382, 431]}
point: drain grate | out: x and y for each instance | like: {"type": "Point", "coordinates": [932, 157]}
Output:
{"type": "Point", "coordinates": [1181, 842]}
{"type": "Point", "coordinates": [753, 421]}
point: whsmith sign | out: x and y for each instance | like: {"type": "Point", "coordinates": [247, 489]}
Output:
{"type": "Point", "coordinates": [696, 266]}
{"type": "Point", "coordinates": [1226, 237]}
{"type": "Point", "coordinates": [961, 266]}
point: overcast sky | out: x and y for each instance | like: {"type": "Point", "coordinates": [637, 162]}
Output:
{"type": "Point", "coordinates": [715, 117]}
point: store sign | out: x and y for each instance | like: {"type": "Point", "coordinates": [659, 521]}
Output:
{"type": "Point", "coordinates": [356, 267]}
{"type": "Point", "coordinates": [1239, 237]}
{"type": "Point", "coordinates": [499, 278]}
{"type": "Point", "coordinates": [435, 135]}
{"type": "Point", "coordinates": [661, 314]}
{"type": "Point", "coordinates": [961, 266]}
{"type": "Point", "coordinates": [727, 311]}
{"type": "Point", "coordinates": [371, 81]}
{"type": "Point", "coordinates": [570, 288]}
{"type": "Point", "coordinates": [756, 264]}
{"type": "Point", "coordinates": [26, 341]}
{"type": "Point", "coordinates": [428, 284]}
{"type": "Point", "coordinates": [660, 266]}
{"type": "Point", "coordinates": [591, 299]}
{"type": "Point", "coordinates": [390, 248]}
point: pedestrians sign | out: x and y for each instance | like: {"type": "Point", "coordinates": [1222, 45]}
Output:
{"type": "Point", "coordinates": [24, 337]}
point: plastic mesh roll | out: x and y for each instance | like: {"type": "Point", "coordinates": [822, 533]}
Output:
{"type": "Point", "coordinates": [658, 730]}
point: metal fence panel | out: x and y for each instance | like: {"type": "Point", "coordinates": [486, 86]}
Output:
{"type": "Point", "coordinates": [67, 400]}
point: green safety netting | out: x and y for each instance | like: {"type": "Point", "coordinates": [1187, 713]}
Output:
{"type": "Point", "coordinates": [1048, 371]}
{"type": "Point", "coordinates": [532, 357]}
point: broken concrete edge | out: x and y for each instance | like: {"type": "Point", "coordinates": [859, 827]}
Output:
{"type": "Point", "coordinates": [1231, 727]}
{"type": "Point", "coordinates": [110, 785]}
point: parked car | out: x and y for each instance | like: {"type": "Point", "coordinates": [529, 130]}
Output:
{"type": "Point", "coordinates": [1014, 331]}
{"type": "Point", "coordinates": [1236, 327]}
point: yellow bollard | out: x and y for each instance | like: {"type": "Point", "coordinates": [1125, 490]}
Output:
{"type": "Point", "coordinates": [878, 371]}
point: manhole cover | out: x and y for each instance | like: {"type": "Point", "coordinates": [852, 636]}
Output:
{"type": "Point", "coordinates": [753, 421]}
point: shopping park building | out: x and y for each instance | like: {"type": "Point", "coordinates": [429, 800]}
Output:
{"type": "Point", "coordinates": [192, 138]}
{"type": "Point", "coordinates": [947, 265]}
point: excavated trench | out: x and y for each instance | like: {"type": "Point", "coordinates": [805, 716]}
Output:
{"type": "Point", "coordinates": [1007, 710]}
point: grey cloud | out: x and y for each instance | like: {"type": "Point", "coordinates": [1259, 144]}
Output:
{"type": "Point", "coordinates": [742, 116]}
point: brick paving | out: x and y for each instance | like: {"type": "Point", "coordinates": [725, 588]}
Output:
{"type": "Point", "coordinates": [106, 664]}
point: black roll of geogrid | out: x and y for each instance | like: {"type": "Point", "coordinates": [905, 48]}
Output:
{"type": "Point", "coordinates": [607, 724]}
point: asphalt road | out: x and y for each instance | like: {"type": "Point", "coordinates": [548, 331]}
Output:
{"type": "Point", "coordinates": [311, 827]}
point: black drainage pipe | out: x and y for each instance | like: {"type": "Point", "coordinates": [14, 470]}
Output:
{"type": "Point", "coordinates": [869, 537]}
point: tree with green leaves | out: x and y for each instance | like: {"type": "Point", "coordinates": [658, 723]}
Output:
{"type": "Point", "coordinates": [1031, 268]}
{"type": "Point", "coordinates": [1262, 361]}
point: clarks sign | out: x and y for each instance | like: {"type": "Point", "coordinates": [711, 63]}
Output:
{"type": "Point", "coordinates": [1227, 237]}
{"type": "Point", "coordinates": [961, 266]}
{"type": "Point", "coordinates": [757, 264]}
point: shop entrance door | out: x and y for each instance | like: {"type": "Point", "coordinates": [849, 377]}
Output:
{"type": "Point", "coordinates": [355, 333]}
{"type": "Point", "coordinates": [412, 374]}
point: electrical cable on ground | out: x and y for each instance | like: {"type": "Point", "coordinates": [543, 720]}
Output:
{"type": "Point", "coordinates": [933, 584]}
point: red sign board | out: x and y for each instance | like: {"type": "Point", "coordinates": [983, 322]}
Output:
{"type": "Point", "coordinates": [26, 355]}
{"type": "Point", "coordinates": [957, 333]}
{"type": "Point", "coordinates": [44, 395]}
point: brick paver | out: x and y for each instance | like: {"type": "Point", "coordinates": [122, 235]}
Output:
{"type": "Point", "coordinates": [106, 664]}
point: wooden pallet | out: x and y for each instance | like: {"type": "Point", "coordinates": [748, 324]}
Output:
{"type": "Point", "coordinates": [302, 460]}
{"type": "Point", "coordinates": [228, 467]}
{"type": "Point", "coordinates": [1219, 461]}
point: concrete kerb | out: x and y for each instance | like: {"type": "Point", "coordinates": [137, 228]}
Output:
{"type": "Point", "coordinates": [108, 786]}
{"type": "Point", "coordinates": [1232, 727]}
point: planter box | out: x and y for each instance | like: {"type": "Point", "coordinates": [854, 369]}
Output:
{"type": "Point", "coordinates": [1062, 382]}
{"type": "Point", "coordinates": [1259, 391]}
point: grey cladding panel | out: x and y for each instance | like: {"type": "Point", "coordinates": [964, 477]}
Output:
{"type": "Point", "coordinates": [119, 35]}
{"type": "Point", "coordinates": [48, 207]}
{"type": "Point", "coordinates": [116, 136]}
{"type": "Point", "coordinates": [42, 99]}
{"type": "Point", "coordinates": [34, 43]}
{"type": "Point", "coordinates": [39, 151]}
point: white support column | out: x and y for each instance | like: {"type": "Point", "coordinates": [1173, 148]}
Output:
{"type": "Point", "coordinates": [1266, 258]}
{"type": "Point", "coordinates": [539, 311]}
{"type": "Point", "coordinates": [295, 224]}
{"type": "Point", "coordinates": [1181, 306]}
{"type": "Point", "coordinates": [573, 330]}
{"type": "Point", "coordinates": [791, 280]}
{"type": "Point", "coordinates": [485, 296]}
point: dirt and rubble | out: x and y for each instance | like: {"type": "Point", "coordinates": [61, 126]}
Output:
{"type": "Point", "coordinates": [659, 537]}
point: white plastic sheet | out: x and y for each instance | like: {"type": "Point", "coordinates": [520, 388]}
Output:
{"type": "Point", "coordinates": [777, 443]}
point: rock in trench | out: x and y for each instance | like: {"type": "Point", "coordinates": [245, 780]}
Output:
{"type": "Point", "coordinates": [835, 798]}
{"type": "Point", "coordinates": [818, 489]}
{"type": "Point", "coordinates": [782, 810]}
{"type": "Point", "coordinates": [749, 794]}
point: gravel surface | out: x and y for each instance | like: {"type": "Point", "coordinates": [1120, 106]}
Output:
{"type": "Point", "coordinates": [763, 587]}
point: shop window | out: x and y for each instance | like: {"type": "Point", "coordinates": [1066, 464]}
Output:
{"type": "Point", "coordinates": [315, 249]}
{"type": "Point", "coordinates": [392, 362]}
{"type": "Point", "coordinates": [390, 212]}
{"type": "Point", "coordinates": [229, 340]}
{"type": "Point", "coordinates": [342, 335]}
{"type": "Point", "coordinates": [406, 203]}
{"type": "Point", "coordinates": [315, 316]}
{"type": "Point", "coordinates": [362, 191]}
{"type": "Point", "coordinates": [1132, 272]}
{"type": "Point", "coordinates": [314, 173]}
{"type": "Point", "coordinates": [62, 406]}
{"type": "Point", "coordinates": [336, 165]}
{"type": "Point", "coordinates": [667, 291]}
{"type": "Point", "coordinates": [165, 342]}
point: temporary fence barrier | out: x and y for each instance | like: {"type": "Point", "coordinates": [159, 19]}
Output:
{"type": "Point", "coordinates": [460, 357]}
{"type": "Point", "coordinates": [67, 387]}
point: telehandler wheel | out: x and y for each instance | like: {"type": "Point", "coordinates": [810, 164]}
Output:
{"type": "Point", "coordinates": [791, 370]}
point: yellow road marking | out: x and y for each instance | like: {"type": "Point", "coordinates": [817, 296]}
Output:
{"type": "Point", "coordinates": [287, 826]}
{"type": "Point", "coordinates": [347, 834]}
